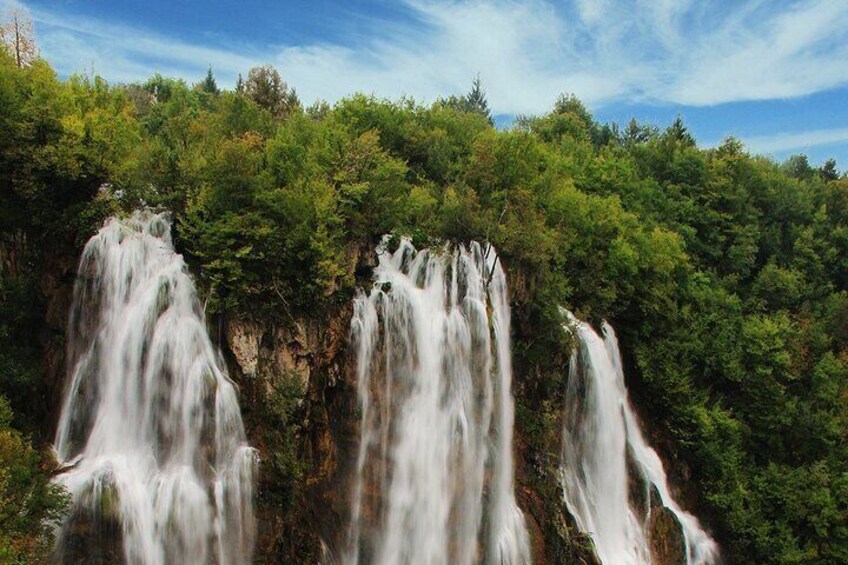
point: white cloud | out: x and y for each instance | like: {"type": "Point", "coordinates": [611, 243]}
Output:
{"type": "Point", "coordinates": [663, 51]}
{"type": "Point", "coordinates": [795, 141]}
{"type": "Point", "coordinates": [124, 54]}
{"type": "Point", "coordinates": [765, 56]}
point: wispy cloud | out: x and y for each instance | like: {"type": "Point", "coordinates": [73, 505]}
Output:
{"type": "Point", "coordinates": [659, 51]}
{"type": "Point", "coordinates": [768, 54]}
{"type": "Point", "coordinates": [785, 142]}
{"type": "Point", "coordinates": [124, 54]}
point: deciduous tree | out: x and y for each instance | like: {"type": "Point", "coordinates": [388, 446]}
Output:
{"type": "Point", "coordinates": [18, 37]}
{"type": "Point", "coordinates": [267, 89]}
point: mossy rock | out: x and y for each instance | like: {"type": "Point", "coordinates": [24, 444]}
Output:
{"type": "Point", "coordinates": [665, 537]}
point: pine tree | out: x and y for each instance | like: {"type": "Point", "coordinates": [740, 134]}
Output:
{"type": "Point", "coordinates": [679, 132]}
{"type": "Point", "coordinates": [828, 171]}
{"type": "Point", "coordinates": [209, 85]}
{"type": "Point", "coordinates": [475, 100]}
{"type": "Point", "coordinates": [636, 133]}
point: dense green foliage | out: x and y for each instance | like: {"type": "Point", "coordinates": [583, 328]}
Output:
{"type": "Point", "coordinates": [724, 273]}
{"type": "Point", "coordinates": [30, 505]}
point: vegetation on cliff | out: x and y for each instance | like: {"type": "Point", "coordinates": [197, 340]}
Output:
{"type": "Point", "coordinates": [725, 273]}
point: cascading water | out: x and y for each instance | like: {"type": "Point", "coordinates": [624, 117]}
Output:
{"type": "Point", "coordinates": [150, 435]}
{"type": "Point", "coordinates": [434, 474]}
{"type": "Point", "coordinates": [614, 482]}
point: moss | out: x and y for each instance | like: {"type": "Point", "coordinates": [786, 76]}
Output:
{"type": "Point", "coordinates": [109, 504]}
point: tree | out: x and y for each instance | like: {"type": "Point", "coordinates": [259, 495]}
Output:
{"type": "Point", "coordinates": [209, 85]}
{"type": "Point", "coordinates": [798, 166]}
{"type": "Point", "coordinates": [266, 88]}
{"type": "Point", "coordinates": [18, 37]}
{"type": "Point", "coordinates": [32, 505]}
{"type": "Point", "coordinates": [570, 104]}
{"type": "Point", "coordinates": [636, 133]}
{"type": "Point", "coordinates": [678, 131]}
{"type": "Point", "coordinates": [828, 171]}
{"type": "Point", "coordinates": [476, 101]}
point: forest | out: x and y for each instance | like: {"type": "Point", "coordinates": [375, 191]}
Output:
{"type": "Point", "coordinates": [725, 273]}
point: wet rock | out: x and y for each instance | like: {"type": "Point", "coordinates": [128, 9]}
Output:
{"type": "Point", "coordinates": [93, 532]}
{"type": "Point", "coordinates": [665, 538]}
{"type": "Point", "coordinates": [641, 500]}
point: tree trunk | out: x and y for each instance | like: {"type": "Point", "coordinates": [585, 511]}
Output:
{"type": "Point", "coordinates": [17, 44]}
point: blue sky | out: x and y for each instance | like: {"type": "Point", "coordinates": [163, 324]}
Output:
{"type": "Point", "coordinates": [774, 73]}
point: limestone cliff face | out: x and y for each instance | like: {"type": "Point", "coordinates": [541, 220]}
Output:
{"type": "Point", "coordinates": [299, 406]}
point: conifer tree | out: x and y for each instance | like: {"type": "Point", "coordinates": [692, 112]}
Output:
{"type": "Point", "coordinates": [828, 171]}
{"type": "Point", "coordinates": [209, 85]}
{"type": "Point", "coordinates": [475, 100]}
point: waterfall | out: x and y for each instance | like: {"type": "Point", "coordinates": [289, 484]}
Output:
{"type": "Point", "coordinates": [434, 473]}
{"type": "Point", "coordinates": [613, 481]}
{"type": "Point", "coordinates": [150, 437]}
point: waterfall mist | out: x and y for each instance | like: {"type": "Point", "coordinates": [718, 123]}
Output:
{"type": "Point", "coordinates": [434, 474]}
{"type": "Point", "coordinates": [150, 436]}
{"type": "Point", "coordinates": [613, 481]}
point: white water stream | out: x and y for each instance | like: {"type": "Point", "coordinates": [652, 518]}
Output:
{"type": "Point", "coordinates": [609, 499]}
{"type": "Point", "coordinates": [150, 432]}
{"type": "Point", "coordinates": [434, 475]}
